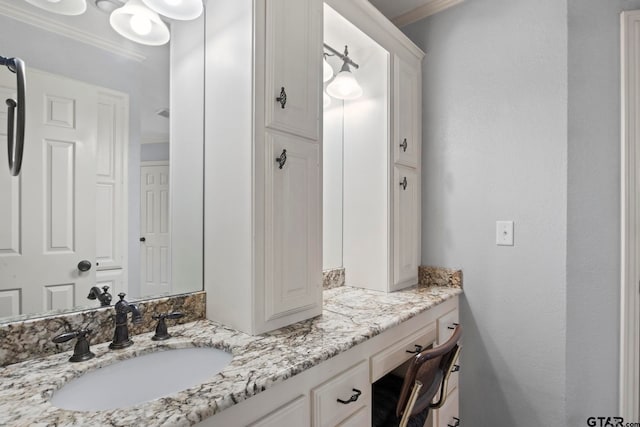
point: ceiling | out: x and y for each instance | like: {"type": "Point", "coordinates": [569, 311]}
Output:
{"type": "Point", "coordinates": [405, 12]}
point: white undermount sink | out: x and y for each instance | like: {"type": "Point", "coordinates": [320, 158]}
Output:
{"type": "Point", "coordinates": [141, 379]}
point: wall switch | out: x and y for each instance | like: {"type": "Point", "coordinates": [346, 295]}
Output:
{"type": "Point", "coordinates": [504, 233]}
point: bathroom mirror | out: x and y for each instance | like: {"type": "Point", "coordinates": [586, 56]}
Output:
{"type": "Point", "coordinates": [356, 159]}
{"type": "Point", "coordinates": [110, 192]}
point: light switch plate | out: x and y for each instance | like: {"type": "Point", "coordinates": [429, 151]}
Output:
{"type": "Point", "coordinates": [504, 233]}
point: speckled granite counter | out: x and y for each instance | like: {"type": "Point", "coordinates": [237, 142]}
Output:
{"type": "Point", "coordinates": [351, 316]}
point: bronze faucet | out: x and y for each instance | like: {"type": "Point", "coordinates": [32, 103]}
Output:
{"type": "Point", "coordinates": [121, 333]}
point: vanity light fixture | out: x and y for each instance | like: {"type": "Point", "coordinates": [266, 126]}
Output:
{"type": "Point", "coordinates": [326, 100]}
{"type": "Point", "coordinates": [327, 70]}
{"type": "Point", "coordinates": [344, 85]}
{"type": "Point", "coordinates": [61, 7]}
{"type": "Point", "coordinates": [183, 10]}
{"type": "Point", "coordinates": [137, 22]}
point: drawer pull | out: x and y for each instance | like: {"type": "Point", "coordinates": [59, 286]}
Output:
{"type": "Point", "coordinates": [453, 326]}
{"type": "Point", "coordinates": [356, 394]}
{"type": "Point", "coordinates": [456, 422]}
{"type": "Point", "coordinates": [418, 349]}
{"type": "Point", "coordinates": [456, 368]}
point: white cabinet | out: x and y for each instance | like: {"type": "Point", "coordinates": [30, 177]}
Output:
{"type": "Point", "coordinates": [406, 226]}
{"type": "Point", "coordinates": [292, 72]}
{"type": "Point", "coordinates": [291, 414]}
{"type": "Point", "coordinates": [292, 231]}
{"type": "Point", "coordinates": [263, 176]}
{"type": "Point", "coordinates": [448, 415]}
{"type": "Point", "coordinates": [342, 396]}
{"type": "Point", "coordinates": [407, 107]}
{"type": "Point", "coordinates": [311, 397]}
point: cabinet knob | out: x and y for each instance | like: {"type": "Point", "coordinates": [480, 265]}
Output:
{"type": "Point", "coordinates": [404, 145]}
{"type": "Point", "coordinates": [282, 99]}
{"type": "Point", "coordinates": [356, 394]}
{"type": "Point", "coordinates": [403, 183]}
{"type": "Point", "coordinates": [282, 159]}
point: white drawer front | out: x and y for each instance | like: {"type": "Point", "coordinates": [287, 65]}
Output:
{"type": "Point", "coordinates": [361, 418]}
{"type": "Point", "coordinates": [327, 411]}
{"type": "Point", "coordinates": [448, 415]}
{"type": "Point", "coordinates": [398, 353]}
{"type": "Point", "coordinates": [446, 324]}
{"type": "Point", "coordinates": [295, 413]}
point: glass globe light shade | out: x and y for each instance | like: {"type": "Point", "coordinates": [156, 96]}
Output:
{"type": "Point", "coordinates": [137, 22]}
{"type": "Point", "coordinates": [183, 10]}
{"type": "Point", "coordinates": [61, 7]}
{"type": "Point", "coordinates": [345, 85]}
{"type": "Point", "coordinates": [327, 71]}
{"type": "Point", "coordinates": [326, 100]}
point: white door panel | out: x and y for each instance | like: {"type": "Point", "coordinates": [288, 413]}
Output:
{"type": "Point", "coordinates": [48, 213]}
{"type": "Point", "coordinates": [406, 234]}
{"type": "Point", "coordinates": [155, 261]}
{"type": "Point", "coordinates": [293, 239]}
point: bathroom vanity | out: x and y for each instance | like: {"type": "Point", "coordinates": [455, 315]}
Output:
{"type": "Point", "coordinates": [280, 378]}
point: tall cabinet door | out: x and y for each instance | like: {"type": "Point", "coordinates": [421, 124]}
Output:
{"type": "Point", "coordinates": [292, 59]}
{"type": "Point", "coordinates": [293, 244]}
{"type": "Point", "coordinates": [407, 113]}
{"type": "Point", "coordinates": [406, 231]}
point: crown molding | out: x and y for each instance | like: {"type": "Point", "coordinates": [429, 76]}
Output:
{"type": "Point", "coordinates": [56, 27]}
{"type": "Point", "coordinates": [430, 8]}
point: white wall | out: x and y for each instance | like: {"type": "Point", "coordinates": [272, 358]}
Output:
{"type": "Point", "coordinates": [495, 148]}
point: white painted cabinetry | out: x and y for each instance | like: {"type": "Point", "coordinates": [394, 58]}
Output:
{"type": "Point", "coordinates": [310, 399]}
{"type": "Point", "coordinates": [406, 226]}
{"type": "Point", "coordinates": [263, 186]}
{"type": "Point", "coordinates": [407, 148]}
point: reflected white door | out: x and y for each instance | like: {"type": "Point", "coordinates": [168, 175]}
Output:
{"type": "Point", "coordinates": [155, 250]}
{"type": "Point", "coordinates": [47, 213]}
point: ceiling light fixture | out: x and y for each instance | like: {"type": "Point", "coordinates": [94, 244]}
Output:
{"type": "Point", "coordinates": [109, 5]}
{"type": "Point", "coordinates": [344, 85]}
{"type": "Point", "coordinates": [61, 7]}
{"type": "Point", "coordinates": [137, 22]}
{"type": "Point", "coordinates": [182, 10]}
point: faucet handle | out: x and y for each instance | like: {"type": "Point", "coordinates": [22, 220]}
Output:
{"type": "Point", "coordinates": [161, 329]}
{"type": "Point", "coordinates": [81, 351]}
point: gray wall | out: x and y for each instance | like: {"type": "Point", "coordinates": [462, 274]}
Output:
{"type": "Point", "coordinates": [593, 220]}
{"type": "Point", "coordinates": [495, 148]}
{"type": "Point", "coordinates": [510, 132]}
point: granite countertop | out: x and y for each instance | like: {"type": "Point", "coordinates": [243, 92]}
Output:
{"type": "Point", "coordinates": [350, 317]}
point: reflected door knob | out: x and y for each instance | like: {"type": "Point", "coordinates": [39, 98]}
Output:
{"type": "Point", "coordinates": [84, 265]}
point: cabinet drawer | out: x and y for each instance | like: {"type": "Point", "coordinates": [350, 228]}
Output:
{"type": "Point", "coordinates": [359, 419]}
{"type": "Point", "coordinates": [326, 409]}
{"type": "Point", "coordinates": [294, 413]}
{"type": "Point", "coordinates": [447, 416]}
{"type": "Point", "coordinates": [398, 353]}
{"type": "Point", "coordinates": [446, 324]}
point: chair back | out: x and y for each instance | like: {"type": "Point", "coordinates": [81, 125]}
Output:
{"type": "Point", "coordinates": [427, 374]}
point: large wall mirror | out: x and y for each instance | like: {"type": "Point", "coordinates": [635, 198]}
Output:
{"type": "Point", "coordinates": [111, 187]}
